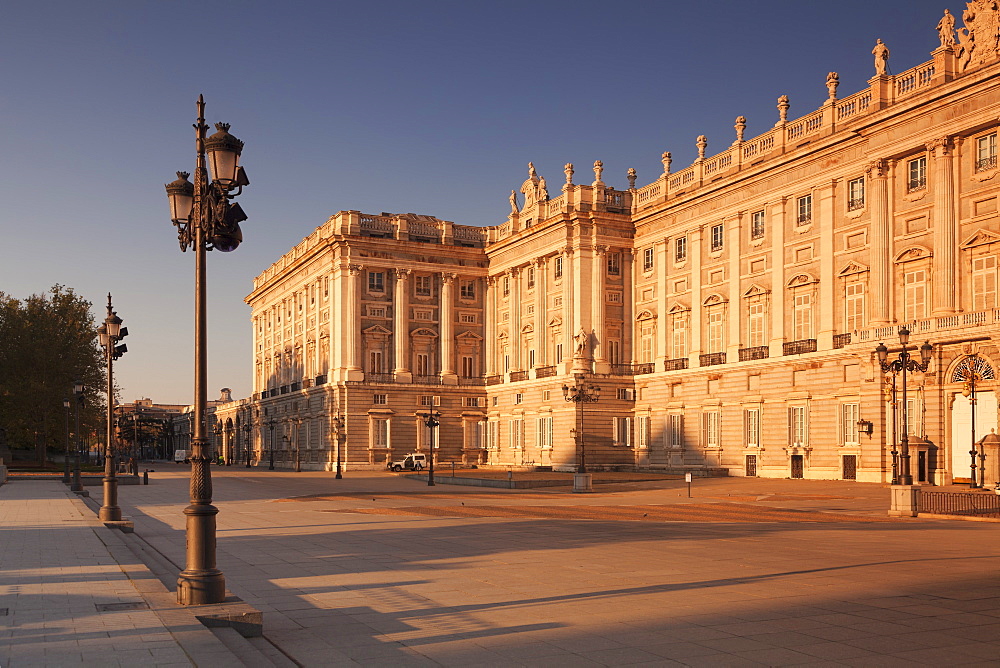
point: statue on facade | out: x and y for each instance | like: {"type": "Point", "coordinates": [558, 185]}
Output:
{"type": "Point", "coordinates": [581, 343]}
{"type": "Point", "coordinates": [946, 29]}
{"type": "Point", "coordinates": [532, 174]}
{"type": "Point", "coordinates": [832, 81]}
{"type": "Point", "coordinates": [513, 201]}
{"type": "Point", "coordinates": [881, 53]}
{"type": "Point", "coordinates": [543, 190]}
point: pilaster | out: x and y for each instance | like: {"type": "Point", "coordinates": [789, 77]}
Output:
{"type": "Point", "coordinates": [826, 199]}
{"type": "Point", "coordinates": [946, 240]}
{"type": "Point", "coordinates": [447, 319]}
{"type": "Point", "coordinates": [881, 265]}
{"type": "Point", "coordinates": [401, 325]}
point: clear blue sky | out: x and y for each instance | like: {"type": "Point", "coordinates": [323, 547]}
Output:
{"type": "Point", "coordinates": [400, 106]}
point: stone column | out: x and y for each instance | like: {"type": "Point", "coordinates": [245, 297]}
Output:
{"type": "Point", "coordinates": [598, 272]}
{"type": "Point", "coordinates": [946, 241]}
{"type": "Point", "coordinates": [541, 312]}
{"type": "Point", "coordinates": [447, 320]}
{"type": "Point", "coordinates": [350, 334]}
{"type": "Point", "coordinates": [697, 312]}
{"type": "Point", "coordinates": [661, 254]}
{"type": "Point", "coordinates": [517, 356]}
{"type": "Point", "coordinates": [628, 299]}
{"type": "Point", "coordinates": [492, 325]}
{"type": "Point", "coordinates": [825, 309]}
{"type": "Point", "coordinates": [571, 325]}
{"type": "Point", "coordinates": [401, 324]}
{"type": "Point", "coordinates": [776, 220]}
{"type": "Point", "coordinates": [881, 241]}
{"type": "Point", "coordinates": [735, 315]}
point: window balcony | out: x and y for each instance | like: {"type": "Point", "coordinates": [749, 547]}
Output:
{"type": "Point", "coordinates": [545, 371]}
{"type": "Point", "coordinates": [913, 185]}
{"type": "Point", "coordinates": [642, 368]}
{"type": "Point", "coordinates": [283, 389]}
{"type": "Point", "coordinates": [517, 376]}
{"type": "Point", "coordinates": [855, 204]}
{"type": "Point", "coordinates": [382, 378]}
{"type": "Point", "coordinates": [986, 164]}
{"type": "Point", "coordinates": [755, 353]}
{"type": "Point", "coordinates": [427, 380]}
{"type": "Point", "coordinates": [711, 359]}
{"type": "Point", "coordinates": [321, 379]}
{"type": "Point", "coordinates": [296, 386]}
{"type": "Point", "coordinates": [799, 347]}
{"type": "Point", "coordinates": [471, 380]}
{"type": "Point", "coordinates": [675, 364]}
{"type": "Point", "coordinates": [841, 340]}
{"type": "Point", "coordinates": [494, 380]}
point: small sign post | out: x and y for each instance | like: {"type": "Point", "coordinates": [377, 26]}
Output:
{"type": "Point", "coordinates": [687, 479]}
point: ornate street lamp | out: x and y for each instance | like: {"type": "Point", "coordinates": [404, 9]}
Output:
{"type": "Point", "coordinates": [580, 394]}
{"type": "Point", "coordinates": [904, 363]}
{"type": "Point", "coordinates": [65, 477]}
{"type": "Point", "coordinates": [338, 425]}
{"type": "Point", "coordinates": [972, 377]}
{"type": "Point", "coordinates": [110, 333]}
{"type": "Point", "coordinates": [270, 449]}
{"type": "Point", "coordinates": [247, 432]}
{"type": "Point", "coordinates": [77, 485]}
{"type": "Point", "coordinates": [433, 421]}
{"type": "Point", "coordinates": [205, 220]}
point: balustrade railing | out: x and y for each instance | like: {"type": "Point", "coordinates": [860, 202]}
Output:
{"type": "Point", "coordinates": [841, 340]}
{"type": "Point", "coordinates": [711, 359]}
{"type": "Point", "coordinates": [517, 376]}
{"type": "Point", "coordinates": [675, 364]}
{"type": "Point", "coordinates": [754, 353]}
{"type": "Point", "coordinates": [379, 377]}
{"type": "Point", "coordinates": [427, 380]}
{"type": "Point", "coordinates": [853, 105]}
{"type": "Point", "coordinates": [914, 79]}
{"type": "Point", "coordinates": [799, 347]}
{"type": "Point", "coordinates": [471, 380]}
{"type": "Point", "coordinates": [649, 193]}
{"type": "Point", "coordinates": [494, 380]}
{"type": "Point", "coordinates": [545, 371]}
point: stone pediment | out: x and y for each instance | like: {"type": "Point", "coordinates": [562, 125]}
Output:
{"type": "Point", "coordinates": [555, 322]}
{"type": "Point", "coordinates": [377, 329]}
{"type": "Point", "coordinates": [913, 253]}
{"type": "Point", "coordinates": [981, 238]}
{"type": "Point", "coordinates": [756, 291]}
{"type": "Point", "coordinates": [714, 299]}
{"type": "Point", "coordinates": [678, 307]}
{"type": "Point", "coordinates": [423, 331]}
{"type": "Point", "coordinates": [646, 315]}
{"type": "Point", "coordinates": [852, 268]}
{"type": "Point", "coordinates": [469, 336]}
{"type": "Point", "coordinates": [528, 329]}
{"type": "Point", "coordinates": [801, 279]}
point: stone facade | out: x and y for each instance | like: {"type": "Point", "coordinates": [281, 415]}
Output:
{"type": "Point", "coordinates": [728, 311]}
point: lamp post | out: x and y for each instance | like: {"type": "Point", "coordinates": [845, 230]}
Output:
{"type": "Point", "coordinates": [972, 377]}
{"type": "Point", "coordinates": [432, 419]}
{"type": "Point", "coordinates": [904, 363]}
{"type": "Point", "coordinates": [205, 219]}
{"type": "Point", "coordinates": [296, 431]}
{"type": "Point", "coordinates": [247, 432]}
{"type": "Point", "coordinates": [110, 333]}
{"type": "Point", "coordinates": [77, 485]}
{"type": "Point", "coordinates": [270, 449]}
{"type": "Point", "coordinates": [218, 450]}
{"type": "Point", "coordinates": [65, 477]}
{"type": "Point", "coordinates": [338, 425]}
{"type": "Point", "coordinates": [580, 393]}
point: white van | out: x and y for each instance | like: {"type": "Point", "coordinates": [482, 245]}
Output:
{"type": "Point", "coordinates": [181, 457]}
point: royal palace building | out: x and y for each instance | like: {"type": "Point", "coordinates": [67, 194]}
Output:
{"type": "Point", "coordinates": [728, 311]}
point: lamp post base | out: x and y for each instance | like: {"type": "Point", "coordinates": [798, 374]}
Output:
{"type": "Point", "coordinates": [110, 512]}
{"type": "Point", "coordinates": [583, 482]}
{"type": "Point", "coordinates": [904, 500]}
{"type": "Point", "coordinates": [201, 587]}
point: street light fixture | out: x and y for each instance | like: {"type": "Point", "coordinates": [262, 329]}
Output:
{"type": "Point", "coordinates": [247, 432]}
{"type": "Point", "coordinates": [432, 419]}
{"type": "Point", "coordinates": [77, 485]}
{"type": "Point", "coordinates": [65, 477]}
{"type": "Point", "coordinates": [904, 363]}
{"type": "Point", "coordinates": [270, 449]}
{"type": "Point", "coordinates": [205, 219]}
{"type": "Point", "coordinates": [338, 425]}
{"type": "Point", "coordinates": [110, 333]}
{"type": "Point", "coordinates": [972, 377]}
{"type": "Point", "coordinates": [580, 393]}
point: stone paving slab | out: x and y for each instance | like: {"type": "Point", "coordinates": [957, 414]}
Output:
{"type": "Point", "coordinates": [75, 595]}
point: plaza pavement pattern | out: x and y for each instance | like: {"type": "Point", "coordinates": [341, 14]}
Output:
{"type": "Point", "coordinates": [382, 570]}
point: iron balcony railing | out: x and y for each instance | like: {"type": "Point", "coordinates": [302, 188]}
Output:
{"type": "Point", "coordinates": [841, 340]}
{"type": "Point", "coordinates": [471, 380]}
{"type": "Point", "coordinates": [711, 359]}
{"type": "Point", "coordinates": [545, 371]}
{"type": "Point", "coordinates": [755, 353]}
{"type": "Point", "coordinates": [675, 364]}
{"type": "Point", "coordinates": [427, 380]}
{"type": "Point", "coordinates": [516, 376]}
{"type": "Point", "coordinates": [799, 347]}
{"type": "Point", "coordinates": [371, 377]}
{"type": "Point", "coordinates": [494, 380]}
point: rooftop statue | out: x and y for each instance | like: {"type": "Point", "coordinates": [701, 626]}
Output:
{"type": "Point", "coordinates": [881, 53]}
{"type": "Point", "coordinates": [513, 201]}
{"type": "Point", "coordinates": [946, 29]}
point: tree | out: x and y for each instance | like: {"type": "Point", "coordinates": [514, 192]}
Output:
{"type": "Point", "coordinates": [47, 342]}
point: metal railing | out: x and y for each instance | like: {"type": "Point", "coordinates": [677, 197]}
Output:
{"type": "Point", "coordinates": [516, 376]}
{"type": "Point", "coordinates": [841, 340]}
{"type": "Point", "coordinates": [799, 347]}
{"type": "Point", "coordinates": [711, 359]}
{"type": "Point", "coordinates": [979, 504]}
{"type": "Point", "coordinates": [675, 364]}
{"type": "Point", "coordinates": [427, 380]}
{"type": "Point", "coordinates": [494, 380]}
{"type": "Point", "coordinates": [544, 371]}
{"type": "Point", "coordinates": [371, 377]}
{"type": "Point", "coordinates": [754, 353]}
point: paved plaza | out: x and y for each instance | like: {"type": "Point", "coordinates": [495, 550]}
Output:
{"type": "Point", "coordinates": [381, 570]}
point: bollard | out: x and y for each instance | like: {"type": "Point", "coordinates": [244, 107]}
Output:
{"type": "Point", "coordinates": [145, 477]}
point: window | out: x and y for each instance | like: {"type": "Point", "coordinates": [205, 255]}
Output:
{"type": "Point", "coordinates": [646, 345]}
{"type": "Point", "coordinates": [531, 358]}
{"type": "Point", "coordinates": [423, 364]}
{"type": "Point", "coordinates": [496, 401]}
{"type": "Point", "coordinates": [467, 290]}
{"type": "Point", "coordinates": [757, 225]}
{"type": "Point", "coordinates": [680, 249]}
{"type": "Point", "coordinates": [614, 264]}
{"type": "Point", "coordinates": [423, 315]}
{"type": "Point", "coordinates": [986, 152]}
{"type": "Point", "coordinates": [376, 312]}
{"type": "Point", "coordinates": [984, 283]}
{"type": "Point", "coordinates": [515, 428]}
{"type": "Point", "coordinates": [647, 259]}
{"type": "Point", "coordinates": [423, 286]}
{"type": "Point", "coordinates": [642, 427]}
{"type": "Point", "coordinates": [678, 336]}
{"type": "Point", "coordinates": [849, 424]}
{"type": "Point", "coordinates": [557, 302]}
{"type": "Point", "coordinates": [376, 281]}
{"type": "Point", "coordinates": [493, 434]}
{"type": "Point", "coordinates": [470, 402]}
{"type": "Point", "coordinates": [805, 210]}
{"type": "Point", "coordinates": [559, 353]}
{"type": "Point", "coordinates": [717, 237]}
{"type": "Point", "coordinates": [614, 297]}
{"type": "Point", "coordinates": [380, 399]}
{"type": "Point", "coordinates": [623, 431]}
{"type": "Point", "coordinates": [531, 277]}
{"type": "Point", "coordinates": [675, 430]}
{"type": "Point", "coordinates": [614, 351]}
{"type": "Point", "coordinates": [506, 285]}
{"type": "Point", "coordinates": [468, 366]}
{"type": "Point", "coordinates": [519, 398]}
{"type": "Point", "coordinates": [802, 320]}
{"type": "Point", "coordinates": [716, 330]}
{"type": "Point", "coordinates": [543, 432]}
{"type": "Point", "coordinates": [856, 194]}
{"type": "Point", "coordinates": [916, 171]}
{"type": "Point", "coordinates": [710, 429]}
{"type": "Point", "coordinates": [557, 266]}
{"type": "Point", "coordinates": [380, 433]}
{"type": "Point", "coordinates": [467, 318]}
{"type": "Point", "coordinates": [854, 306]}
{"type": "Point", "coordinates": [914, 295]}
{"type": "Point", "coordinates": [624, 394]}
{"type": "Point", "coordinates": [376, 361]}
{"type": "Point", "coordinates": [756, 334]}
{"type": "Point", "coordinates": [798, 426]}
{"type": "Point", "coordinates": [751, 418]}
{"type": "Point", "coordinates": [429, 400]}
